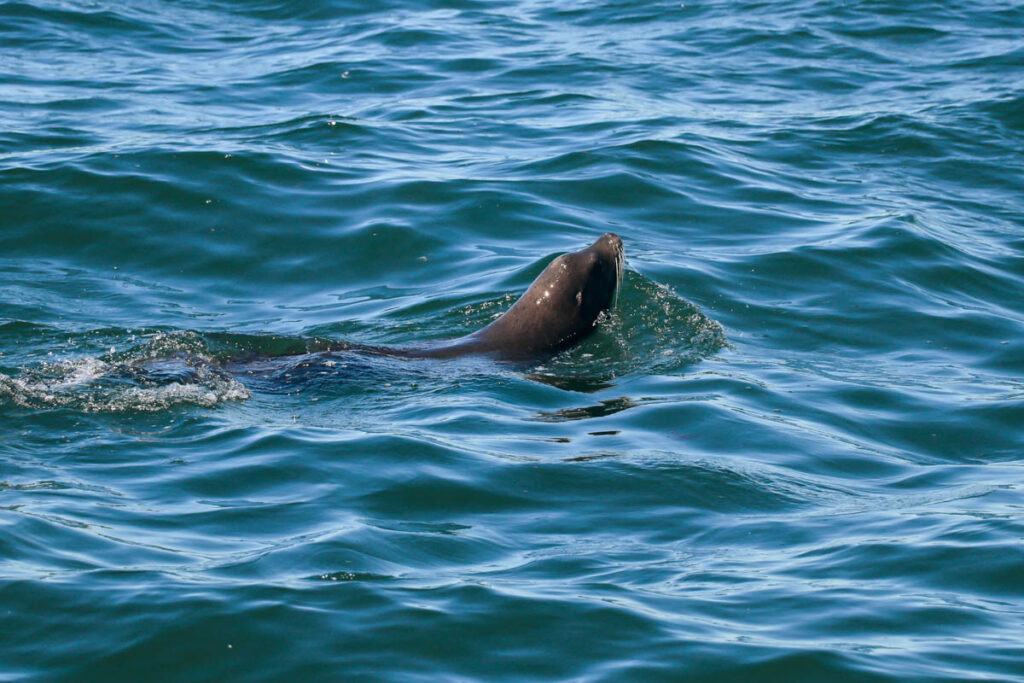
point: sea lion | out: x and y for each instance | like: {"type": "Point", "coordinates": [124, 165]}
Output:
{"type": "Point", "coordinates": [557, 311]}
{"type": "Point", "coordinates": [560, 308]}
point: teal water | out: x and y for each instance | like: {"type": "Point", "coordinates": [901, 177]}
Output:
{"type": "Point", "coordinates": [793, 451]}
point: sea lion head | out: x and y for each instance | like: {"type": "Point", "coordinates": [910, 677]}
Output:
{"type": "Point", "coordinates": [560, 308]}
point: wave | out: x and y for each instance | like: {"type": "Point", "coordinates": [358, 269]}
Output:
{"type": "Point", "coordinates": [651, 331]}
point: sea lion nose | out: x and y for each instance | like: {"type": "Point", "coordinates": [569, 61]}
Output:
{"type": "Point", "coordinates": [612, 240]}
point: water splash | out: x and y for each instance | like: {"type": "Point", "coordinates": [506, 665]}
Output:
{"type": "Point", "coordinates": [651, 330]}
{"type": "Point", "coordinates": [167, 370]}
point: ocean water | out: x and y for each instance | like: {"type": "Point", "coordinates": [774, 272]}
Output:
{"type": "Point", "coordinates": [793, 451]}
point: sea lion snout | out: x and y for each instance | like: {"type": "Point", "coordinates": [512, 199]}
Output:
{"type": "Point", "coordinates": [614, 240]}
{"type": "Point", "coordinates": [609, 244]}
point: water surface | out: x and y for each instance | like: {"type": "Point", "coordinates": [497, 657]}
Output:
{"type": "Point", "coordinates": [792, 452]}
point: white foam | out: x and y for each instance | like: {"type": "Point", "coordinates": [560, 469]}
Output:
{"type": "Point", "coordinates": [85, 384]}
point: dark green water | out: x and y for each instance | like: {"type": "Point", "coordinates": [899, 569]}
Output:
{"type": "Point", "coordinates": [793, 452]}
